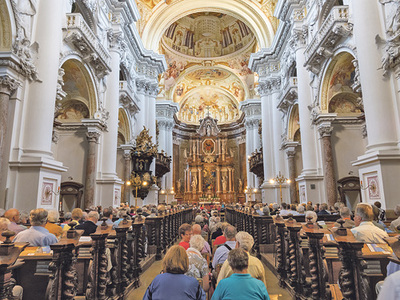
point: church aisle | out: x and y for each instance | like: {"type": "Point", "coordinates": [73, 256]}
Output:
{"type": "Point", "coordinates": [275, 292]}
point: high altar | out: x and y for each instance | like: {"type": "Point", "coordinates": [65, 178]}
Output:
{"type": "Point", "coordinates": [209, 173]}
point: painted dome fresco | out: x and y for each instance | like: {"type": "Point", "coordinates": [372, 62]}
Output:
{"type": "Point", "coordinates": [207, 35]}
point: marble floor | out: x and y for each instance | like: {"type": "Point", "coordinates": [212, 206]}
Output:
{"type": "Point", "coordinates": [275, 292]}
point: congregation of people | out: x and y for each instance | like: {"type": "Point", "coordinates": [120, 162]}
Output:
{"type": "Point", "coordinates": [212, 258]}
{"type": "Point", "coordinates": [226, 269]}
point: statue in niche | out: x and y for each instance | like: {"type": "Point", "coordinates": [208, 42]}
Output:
{"type": "Point", "coordinates": [224, 183]}
{"type": "Point", "coordinates": [179, 185]}
{"type": "Point", "coordinates": [185, 153]}
{"type": "Point", "coordinates": [194, 149]}
{"type": "Point", "coordinates": [194, 183]}
{"type": "Point", "coordinates": [240, 185]}
{"type": "Point", "coordinates": [232, 152]}
{"type": "Point", "coordinates": [223, 148]}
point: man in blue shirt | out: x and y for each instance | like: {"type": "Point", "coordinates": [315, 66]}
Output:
{"type": "Point", "coordinates": [221, 254]}
{"type": "Point", "coordinates": [37, 235]}
{"type": "Point", "coordinates": [240, 285]}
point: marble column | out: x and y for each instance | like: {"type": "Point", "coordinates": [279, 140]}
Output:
{"type": "Point", "coordinates": [291, 152]}
{"type": "Point", "coordinates": [127, 171]}
{"type": "Point", "coordinates": [325, 131]}
{"type": "Point", "coordinates": [91, 168]}
{"type": "Point", "coordinates": [308, 140]}
{"type": "Point", "coordinates": [249, 150]}
{"type": "Point", "coordinates": [200, 177]}
{"type": "Point", "coordinates": [380, 115]}
{"type": "Point", "coordinates": [110, 137]}
{"type": "Point", "coordinates": [7, 88]}
{"type": "Point", "coordinates": [39, 116]}
{"type": "Point", "coordinates": [218, 179]}
{"type": "Point", "coordinates": [140, 116]}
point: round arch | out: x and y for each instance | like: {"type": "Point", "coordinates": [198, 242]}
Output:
{"type": "Point", "coordinates": [79, 83]}
{"type": "Point", "coordinates": [124, 128]}
{"type": "Point", "coordinates": [244, 10]}
{"type": "Point", "coordinates": [293, 122]}
{"type": "Point", "coordinates": [337, 78]}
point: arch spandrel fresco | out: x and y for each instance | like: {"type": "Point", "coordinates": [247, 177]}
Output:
{"type": "Point", "coordinates": [208, 101]}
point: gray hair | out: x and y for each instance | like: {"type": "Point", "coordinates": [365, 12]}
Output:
{"type": "Point", "coordinates": [300, 209]}
{"type": "Point", "coordinates": [4, 222]}
{"type": "Point", "coordinates": [67, 215]}
{"type": "Point", "coordinates": [275, 206]}
{"type": "Point", "coordinates": [53, 216]}
{"type": "Point", "coordinates": [2, 212]}
{"type": "Point", "coordinates": [230, 232]}
{"type": "Point", "coordinates": [198, 219]}
{"type": "Point", "coordinates": [197, 242]}
{"type": "Point", "coordinates": [311, 214]}
{"type": "Point", "coordinates": [397, 210]}
{"type": "Point", "coordinates": [238, 259]}
{"type": "Point", "coordinates": [38, 216]}
{"type": "Point", "coordinates": [93, 215]}
{"type": "Point", "coordinates": [246, 241]}
{"type": "Point", "coordinates": [364, 210]}
{"type": "Point", "coordinates": [345, 212]}
{"type": "Point", "coordinates": [266, 211]}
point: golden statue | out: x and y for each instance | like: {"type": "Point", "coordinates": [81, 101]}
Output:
{"type": "Point", "coordinates": [144, 143]}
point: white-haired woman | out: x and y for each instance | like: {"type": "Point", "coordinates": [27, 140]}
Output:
{"type": "Point", "coordinates": [52, 219]}
{"type": "Point", "coordinates": [198, 267]}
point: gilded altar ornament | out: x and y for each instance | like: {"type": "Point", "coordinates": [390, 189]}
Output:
{"type": "Point", "coordinates": [144, 145]}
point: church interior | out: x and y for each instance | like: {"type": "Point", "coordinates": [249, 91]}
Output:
{"type": "Point", "coordinates": [186, 108]}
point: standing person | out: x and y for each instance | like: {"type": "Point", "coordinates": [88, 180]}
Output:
{"type": "Point", "coordinates": [240, 285]}
{"type": "Point", "coordinates": [173, 283]}
{"type": "Point", "coordinates": [221, 254]}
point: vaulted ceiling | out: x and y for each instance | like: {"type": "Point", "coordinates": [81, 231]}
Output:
{"type": "Point", "coordinates": [207, 49]}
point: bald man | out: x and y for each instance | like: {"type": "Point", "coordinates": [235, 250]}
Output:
{"type": "Point", "coordinates": [14, 216]}
{"type": "Point", "coordinates": [197, 231]}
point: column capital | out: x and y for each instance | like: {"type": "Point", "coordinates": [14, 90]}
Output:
{"type": "Point", "coordinates": [325, 129]}
{"type": "Point", "coordinates": [8, 85]}
{"type": "Point", "coordinates": [93, 136]}
{"type": "Point", "coordinates": [298, 38]}
{"type": "Point", "coordinates": [115, 39]}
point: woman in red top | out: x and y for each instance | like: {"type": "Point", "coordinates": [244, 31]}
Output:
{"type": "Point", "coordinates": [185, 231]}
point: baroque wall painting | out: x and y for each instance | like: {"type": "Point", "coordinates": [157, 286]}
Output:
{"type": "Point", "coordinates": [373, 187]}
{"type": "Point", "coordinates": [47, 192]}
{"type": "Point", "coordinates": [73, 111]}
{"type": "Point", "coordinates": [343, 105]}
{"type": "Point", "coordinates": [338, 80]}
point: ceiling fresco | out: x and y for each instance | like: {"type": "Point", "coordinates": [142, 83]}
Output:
{"type": "Point", "coordinates": [206, 101]}
{"type": "Point", "coordinates": [207, 55]}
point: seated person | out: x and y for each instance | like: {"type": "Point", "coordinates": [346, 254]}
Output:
{"type": "Point", "coordinates": [382, 212]}
{"type": "Point", "coordinates": [323, 209]}
{"type": "Point", "coordinates": [185, 231]}
{"type": "Point", "coordinates": [76, 216]}
{"type": "Point", "coordinates": [284, 211]}
{"type": "Point", "coordinates": [198, 267]}
{"type": "Point", "coordinates": [293, 209]}
{"type": "Point", "coordinates": [345, 215]}
{"type": "Point", "coordinates": [390, 288]}
{"type": "Point", "coordinates": [14, 216]}
{"type": "Point", "coordinates": [37, 234]}
{"type": "Point", "coordinates": [67, 219]}
{"type": "Point", "coordinates": [221, 254]}
{"type": "Point", "coordinates": [396, 223]}
{"type": "Point", "coordinates": [107, 213]}
{"type": "Point", "coordinates": [51, 225]}
{"type": "Point", "coordinates": [256, 269]}
{"type": "Point", "coordinates": [365, 231]}
{"type": "Point", "coordinates": [173, 283]}
{"type": "Point", "coordinates": [300, 210]}
{"type": "Point", "coordinates": [376, 220]}
{"type": "Point", "coordinates": [240, 285]}
{"type": "Point", "coordinates": [221, 239]}
{"type": "Point", "coordinates": [89, 226]}
{"type": "Point", "coordinates": [197, 231]}
{"type": "Point", "coordinates": [266, 211]}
